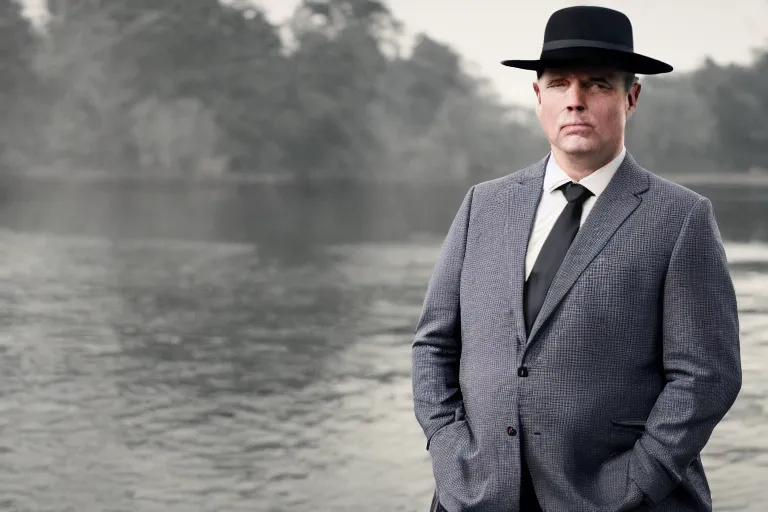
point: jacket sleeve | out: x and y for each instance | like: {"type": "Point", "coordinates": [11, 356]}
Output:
{"type": "Point", "coordinates": [701, 357]}
{"type": "Point", "coordinates": [436, 348]}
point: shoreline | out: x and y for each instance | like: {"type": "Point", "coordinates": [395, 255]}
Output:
{"type": "Point", "coordinates": [759, 179]}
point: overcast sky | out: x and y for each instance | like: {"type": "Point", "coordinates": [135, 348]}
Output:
{"type": "Point", "coordinates": [681, 32]}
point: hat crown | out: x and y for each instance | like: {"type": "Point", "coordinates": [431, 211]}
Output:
{"type": "Point", "coordinates": [586, 35]}
{"type": "Point", "coordinates": [590, 23]}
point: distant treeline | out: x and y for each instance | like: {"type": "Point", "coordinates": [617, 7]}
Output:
{"type": "Point", "coordinates": [200, 87]}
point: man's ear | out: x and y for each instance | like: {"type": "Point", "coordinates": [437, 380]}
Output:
{"type": "Point", "coordinates": [537, 108]}
{"type": "Point", "coordinates": [632, 96]}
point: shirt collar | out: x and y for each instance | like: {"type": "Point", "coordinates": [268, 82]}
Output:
{"type": "Point", "coordinates": [595, 182]}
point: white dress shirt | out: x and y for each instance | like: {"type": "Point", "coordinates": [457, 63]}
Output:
{"type": "Point", "coordinates": [553, 201]}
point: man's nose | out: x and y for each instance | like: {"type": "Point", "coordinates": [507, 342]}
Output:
{"type": "Point", "coordinates": [575, 98]}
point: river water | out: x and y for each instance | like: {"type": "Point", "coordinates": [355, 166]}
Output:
{"type": "Point", "coordinates": [248, 348]}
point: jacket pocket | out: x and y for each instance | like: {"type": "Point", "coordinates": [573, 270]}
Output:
{"type": "Point", "coordinates": [635, 425]}
{"type": "Point", "coordinates": [458, 415]}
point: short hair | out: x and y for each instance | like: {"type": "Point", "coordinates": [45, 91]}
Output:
{"type": "Point", "coordinates": [630, 79]}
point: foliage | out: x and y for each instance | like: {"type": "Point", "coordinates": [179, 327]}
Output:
{"type": "Point", "coordinates": [200, 86]}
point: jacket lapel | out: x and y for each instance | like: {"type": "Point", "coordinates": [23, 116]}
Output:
{"type": "Point", "coordinates": [615, 204]}
{"type": "Point", "coordinates": [523, 197]}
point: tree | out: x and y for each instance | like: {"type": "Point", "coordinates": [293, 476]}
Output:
{"type": "Point", "coordinates": [334, 76]}
{"type": "Point", "coordinates": [18, 44]}
{"type": "Point", "coordinates": [84, 90]}
{"type": "Point", "coordinates": [673, 127]}
{"type": "Point", "coordinates": [737, 98]}
{"type": "Point", "coordinates": [186, 58]}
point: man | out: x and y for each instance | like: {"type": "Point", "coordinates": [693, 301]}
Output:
{"type": "Point", "coordinates": [579, 339]}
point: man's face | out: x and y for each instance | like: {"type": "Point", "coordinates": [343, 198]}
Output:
{"type": "Point", "coordinates": [584, 110]}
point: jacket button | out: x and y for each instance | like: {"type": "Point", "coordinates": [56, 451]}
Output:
{"type": "Point", "coordinates": [511, 431]}
{"type": "Point", "coordinates": [522, 371]}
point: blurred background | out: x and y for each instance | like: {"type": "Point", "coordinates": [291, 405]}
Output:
{"type": "Point", "coordinates": [218, 220]}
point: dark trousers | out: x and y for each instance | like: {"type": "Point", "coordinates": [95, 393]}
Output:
{"type": "Point", "coordinates": [528, 501]}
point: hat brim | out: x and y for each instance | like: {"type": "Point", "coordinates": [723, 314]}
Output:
{"type": "Point", "coordinates": [563, 57]}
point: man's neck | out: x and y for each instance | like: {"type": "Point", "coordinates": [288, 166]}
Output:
{"type": "Point", "coordinates": [578, 167]}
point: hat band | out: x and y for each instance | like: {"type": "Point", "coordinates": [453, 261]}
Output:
{"type": "Point", "coordinates": [570, 43]}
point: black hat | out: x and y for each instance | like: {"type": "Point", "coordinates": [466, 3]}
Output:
{"type": "Point", "coordinates": [590, 35]}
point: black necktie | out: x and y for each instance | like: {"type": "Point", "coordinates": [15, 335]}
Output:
{"type": "Point", "coordinates": [553, 251]}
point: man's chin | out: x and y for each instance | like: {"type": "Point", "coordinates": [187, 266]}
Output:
{"type": "Point", "coordinates": [578, 148]}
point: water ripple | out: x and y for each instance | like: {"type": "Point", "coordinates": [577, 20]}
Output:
{"type": "Point", "coordinates": [143, 376]}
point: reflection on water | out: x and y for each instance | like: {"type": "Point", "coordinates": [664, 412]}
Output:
{"type": "Point", "coordinates": [222, 374]}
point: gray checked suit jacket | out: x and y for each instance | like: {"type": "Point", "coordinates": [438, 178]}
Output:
{"type": "Point", "coordinates": [631, 363]}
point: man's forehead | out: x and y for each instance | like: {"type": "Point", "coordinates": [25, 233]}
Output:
{"type": "Point", "coordinates": [583, 72]}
